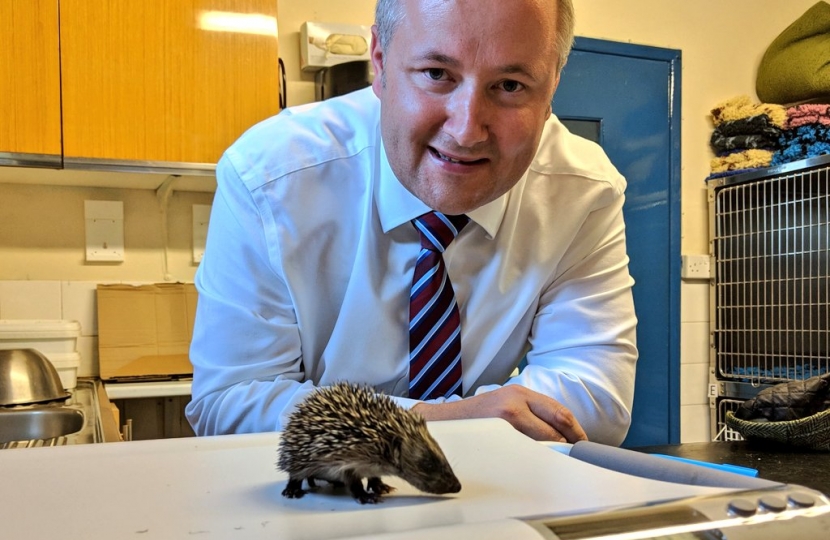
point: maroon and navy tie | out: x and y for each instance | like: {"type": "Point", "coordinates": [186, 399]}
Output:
{"type": "Point", "coordinates": [434, 323]}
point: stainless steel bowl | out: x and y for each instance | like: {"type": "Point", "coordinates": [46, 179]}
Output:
{"type": "Point", "coordinates": [42, 423]}
{"type": "Point", "coordinates": [28, 377]}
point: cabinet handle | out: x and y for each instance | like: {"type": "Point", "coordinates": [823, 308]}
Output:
{"type": "Point", "coordinates": [283, 87]}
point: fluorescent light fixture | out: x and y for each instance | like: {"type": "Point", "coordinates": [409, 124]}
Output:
{"type": "Point", "coordinates": [244, 23]}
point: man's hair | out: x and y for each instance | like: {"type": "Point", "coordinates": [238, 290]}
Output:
{"type": "Point", "coordinates": [389, 13]}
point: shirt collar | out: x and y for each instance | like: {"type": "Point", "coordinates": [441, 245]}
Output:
{"type": "Point", "coordinates": [396, 205]}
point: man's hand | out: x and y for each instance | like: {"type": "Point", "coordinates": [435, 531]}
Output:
{"type": "Point", "coordinates": [532, 413]}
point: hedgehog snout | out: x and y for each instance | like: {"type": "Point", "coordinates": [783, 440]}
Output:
{"type": "Point", "coordinates": [436, 483]}
{"type": "Point", "coordinates": [425, 467]}
{"type": "Point", "coordinates": [448, 485]}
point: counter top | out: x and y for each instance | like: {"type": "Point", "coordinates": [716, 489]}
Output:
{"type": "Point", "coordinates": [772, 461]}
{"type": "Point", "coordinates": [228, 487]}
{"type": "Point", "coordinates": [147, 389]}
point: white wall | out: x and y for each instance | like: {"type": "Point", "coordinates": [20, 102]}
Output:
{"type": "Point", "coordinates": [41, 227]}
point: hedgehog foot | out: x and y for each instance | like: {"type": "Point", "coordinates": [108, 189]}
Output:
{"type": "Point", "coordinates": [294, 489]}
{"type": "Point", "coordinates": [361, 495]}
{"type": "Point", "coordinates": [375, 485]}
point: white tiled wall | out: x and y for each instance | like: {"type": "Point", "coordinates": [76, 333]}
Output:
{"type": "Point", "coordinates": [30, 300]}
{"type": "Point", "coordinates": [78, 301]}
{"type": "Point", "coordinates": [694, 361]}
{"type": "Point", "coordinates": [54, 300]}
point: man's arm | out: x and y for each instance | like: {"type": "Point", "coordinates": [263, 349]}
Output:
{"type": "Point", "coordinates": [582, 358]}
{"type": "Point", "coordinates": [245, 350]}
{"type": "Point", "coordinates": [532, 413]}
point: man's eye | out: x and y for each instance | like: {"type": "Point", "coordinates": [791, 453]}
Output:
{"type": "Point", "coordinates": [511, 86]}
{"type": "Point", "coordinates": [436, 74]}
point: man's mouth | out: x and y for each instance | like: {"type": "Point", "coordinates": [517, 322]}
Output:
{"type": "Point", "coordinates": [448, 159]}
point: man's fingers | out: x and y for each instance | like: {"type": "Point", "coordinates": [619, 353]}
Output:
{"type": "Point", "coordinates": [536, 415]}
{"type": "Point", "coordinates": [558, 417]}
{"type": "Point", "coordinates": [538, 430]}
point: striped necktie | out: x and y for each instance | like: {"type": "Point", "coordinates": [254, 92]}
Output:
{"type": "Point", "coordinates": [434, 323]}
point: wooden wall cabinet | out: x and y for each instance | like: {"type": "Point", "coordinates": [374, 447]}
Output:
{"type": "Point", "coordinates": [149, 84]}
{"type": "Point", "coordinates": [30, 101]}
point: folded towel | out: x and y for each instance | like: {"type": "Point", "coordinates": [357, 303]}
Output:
{"type": "Point", "coordinates": [746, 159]}
{"type": "Point", "coordinates": [760, 124]}
{"type": "Point", "coordinates": [803, 142]}
{"type": "Point", "coordinates": [796, 65]}
{"type": "Point", "coordinates": [814, 113]}
{"type": "Point", "coordinates": [745, 133]}
{"type": "Point", "coordinates": [742, 107]}
{"type": "Point", "coordinates": [726, 145]}
{"type": "Point", "coordinates": [724, 174]}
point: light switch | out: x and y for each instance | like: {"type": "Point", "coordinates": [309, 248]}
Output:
{"type": "Point", "coordinates": [104, 222]}
{"type": "Point", "coordinates": [201, 216]}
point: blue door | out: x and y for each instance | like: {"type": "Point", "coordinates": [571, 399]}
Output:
{"type": "Point", "coordinates": [627, 98]}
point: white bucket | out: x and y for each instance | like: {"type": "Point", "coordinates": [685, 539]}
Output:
{"type": "Point", "coordinates": [67, 365]}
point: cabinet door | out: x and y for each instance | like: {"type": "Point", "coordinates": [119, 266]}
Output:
{"type": "Point", "coordinates": [30, 122]}
{"type": "Point", "coordinates": [150, 81]}
{"type": "Point", "coordinates": [630, 95]}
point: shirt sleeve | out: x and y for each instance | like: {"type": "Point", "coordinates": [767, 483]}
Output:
{"type": "Point", "coordinates": [246, 354]}
{"type": "Point", "coordinates": [583, 341]}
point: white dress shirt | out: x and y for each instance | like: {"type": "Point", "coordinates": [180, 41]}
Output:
{"type": "Point", "coordinates": [309, 261]}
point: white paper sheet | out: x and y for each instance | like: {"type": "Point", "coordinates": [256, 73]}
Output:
{"type": "Point", "coordinates": [229, 487]}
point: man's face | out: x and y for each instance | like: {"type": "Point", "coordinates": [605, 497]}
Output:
{"type": "Point", "coordinates": [465, 89]}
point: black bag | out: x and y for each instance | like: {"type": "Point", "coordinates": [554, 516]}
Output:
{"type": "Point", "coordinates": [795, 413]}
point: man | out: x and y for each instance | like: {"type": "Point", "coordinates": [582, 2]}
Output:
{"type": "Point", "coordinates": [312, 250]}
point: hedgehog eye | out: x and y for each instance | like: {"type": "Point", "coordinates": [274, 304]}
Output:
{"type": "Point", "coordinates": [395, 451]}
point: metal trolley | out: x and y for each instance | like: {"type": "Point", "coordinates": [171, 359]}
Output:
{"type": "Point", "coordinates": [769, 233]}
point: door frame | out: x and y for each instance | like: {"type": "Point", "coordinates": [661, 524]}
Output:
{"type": "Point", "coordinates": [672, 58]}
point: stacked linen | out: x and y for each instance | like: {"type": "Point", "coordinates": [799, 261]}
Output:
{"type": "Point", "coordinates": [746, 135]}
{"type": "Point", "coordinates": [806, 133]}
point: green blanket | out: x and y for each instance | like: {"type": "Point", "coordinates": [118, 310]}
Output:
{"type": "Point", "coordinates": [796, 66]}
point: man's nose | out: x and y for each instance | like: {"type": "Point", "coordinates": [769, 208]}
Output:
{"type": "Point", "coordinates": [467, 117]}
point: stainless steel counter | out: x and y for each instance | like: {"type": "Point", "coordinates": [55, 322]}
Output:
{"type": "Point", "coordinates": [85, 397]}
{"type": "Point", "coordinates": [89, 398]}
{"type": "Point", "coordinates": [99, 425]}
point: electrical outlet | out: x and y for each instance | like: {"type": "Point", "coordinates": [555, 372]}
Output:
{"type": "Point", "coordinates": [694, 267]}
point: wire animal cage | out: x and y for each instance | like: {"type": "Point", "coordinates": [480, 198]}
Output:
{"type": "Point", "coordinates": [722, 431]}
{"type": "Point", "coordinates": [770, 303]}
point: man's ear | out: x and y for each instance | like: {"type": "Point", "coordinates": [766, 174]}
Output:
{"type": "Point", "coordinates": [376, 54]}
{"type": "Point", "coordinates": [550, 104]}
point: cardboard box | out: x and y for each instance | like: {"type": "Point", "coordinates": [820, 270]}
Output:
{"type": "Point", "coordinates": [144, 332]}
{"type": "Point", "coordinates": [327, 44]}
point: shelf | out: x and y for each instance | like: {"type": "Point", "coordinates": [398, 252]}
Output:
{"type": "Point", "coordinates": [125, 390]}
{"type": "Point", "coordinates": [104, 179]}
{"type": "Point", "coordinates": [762, 172]}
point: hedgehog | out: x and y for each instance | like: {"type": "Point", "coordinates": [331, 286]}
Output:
{"type": "Point", "coordinates": [347, 432]}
